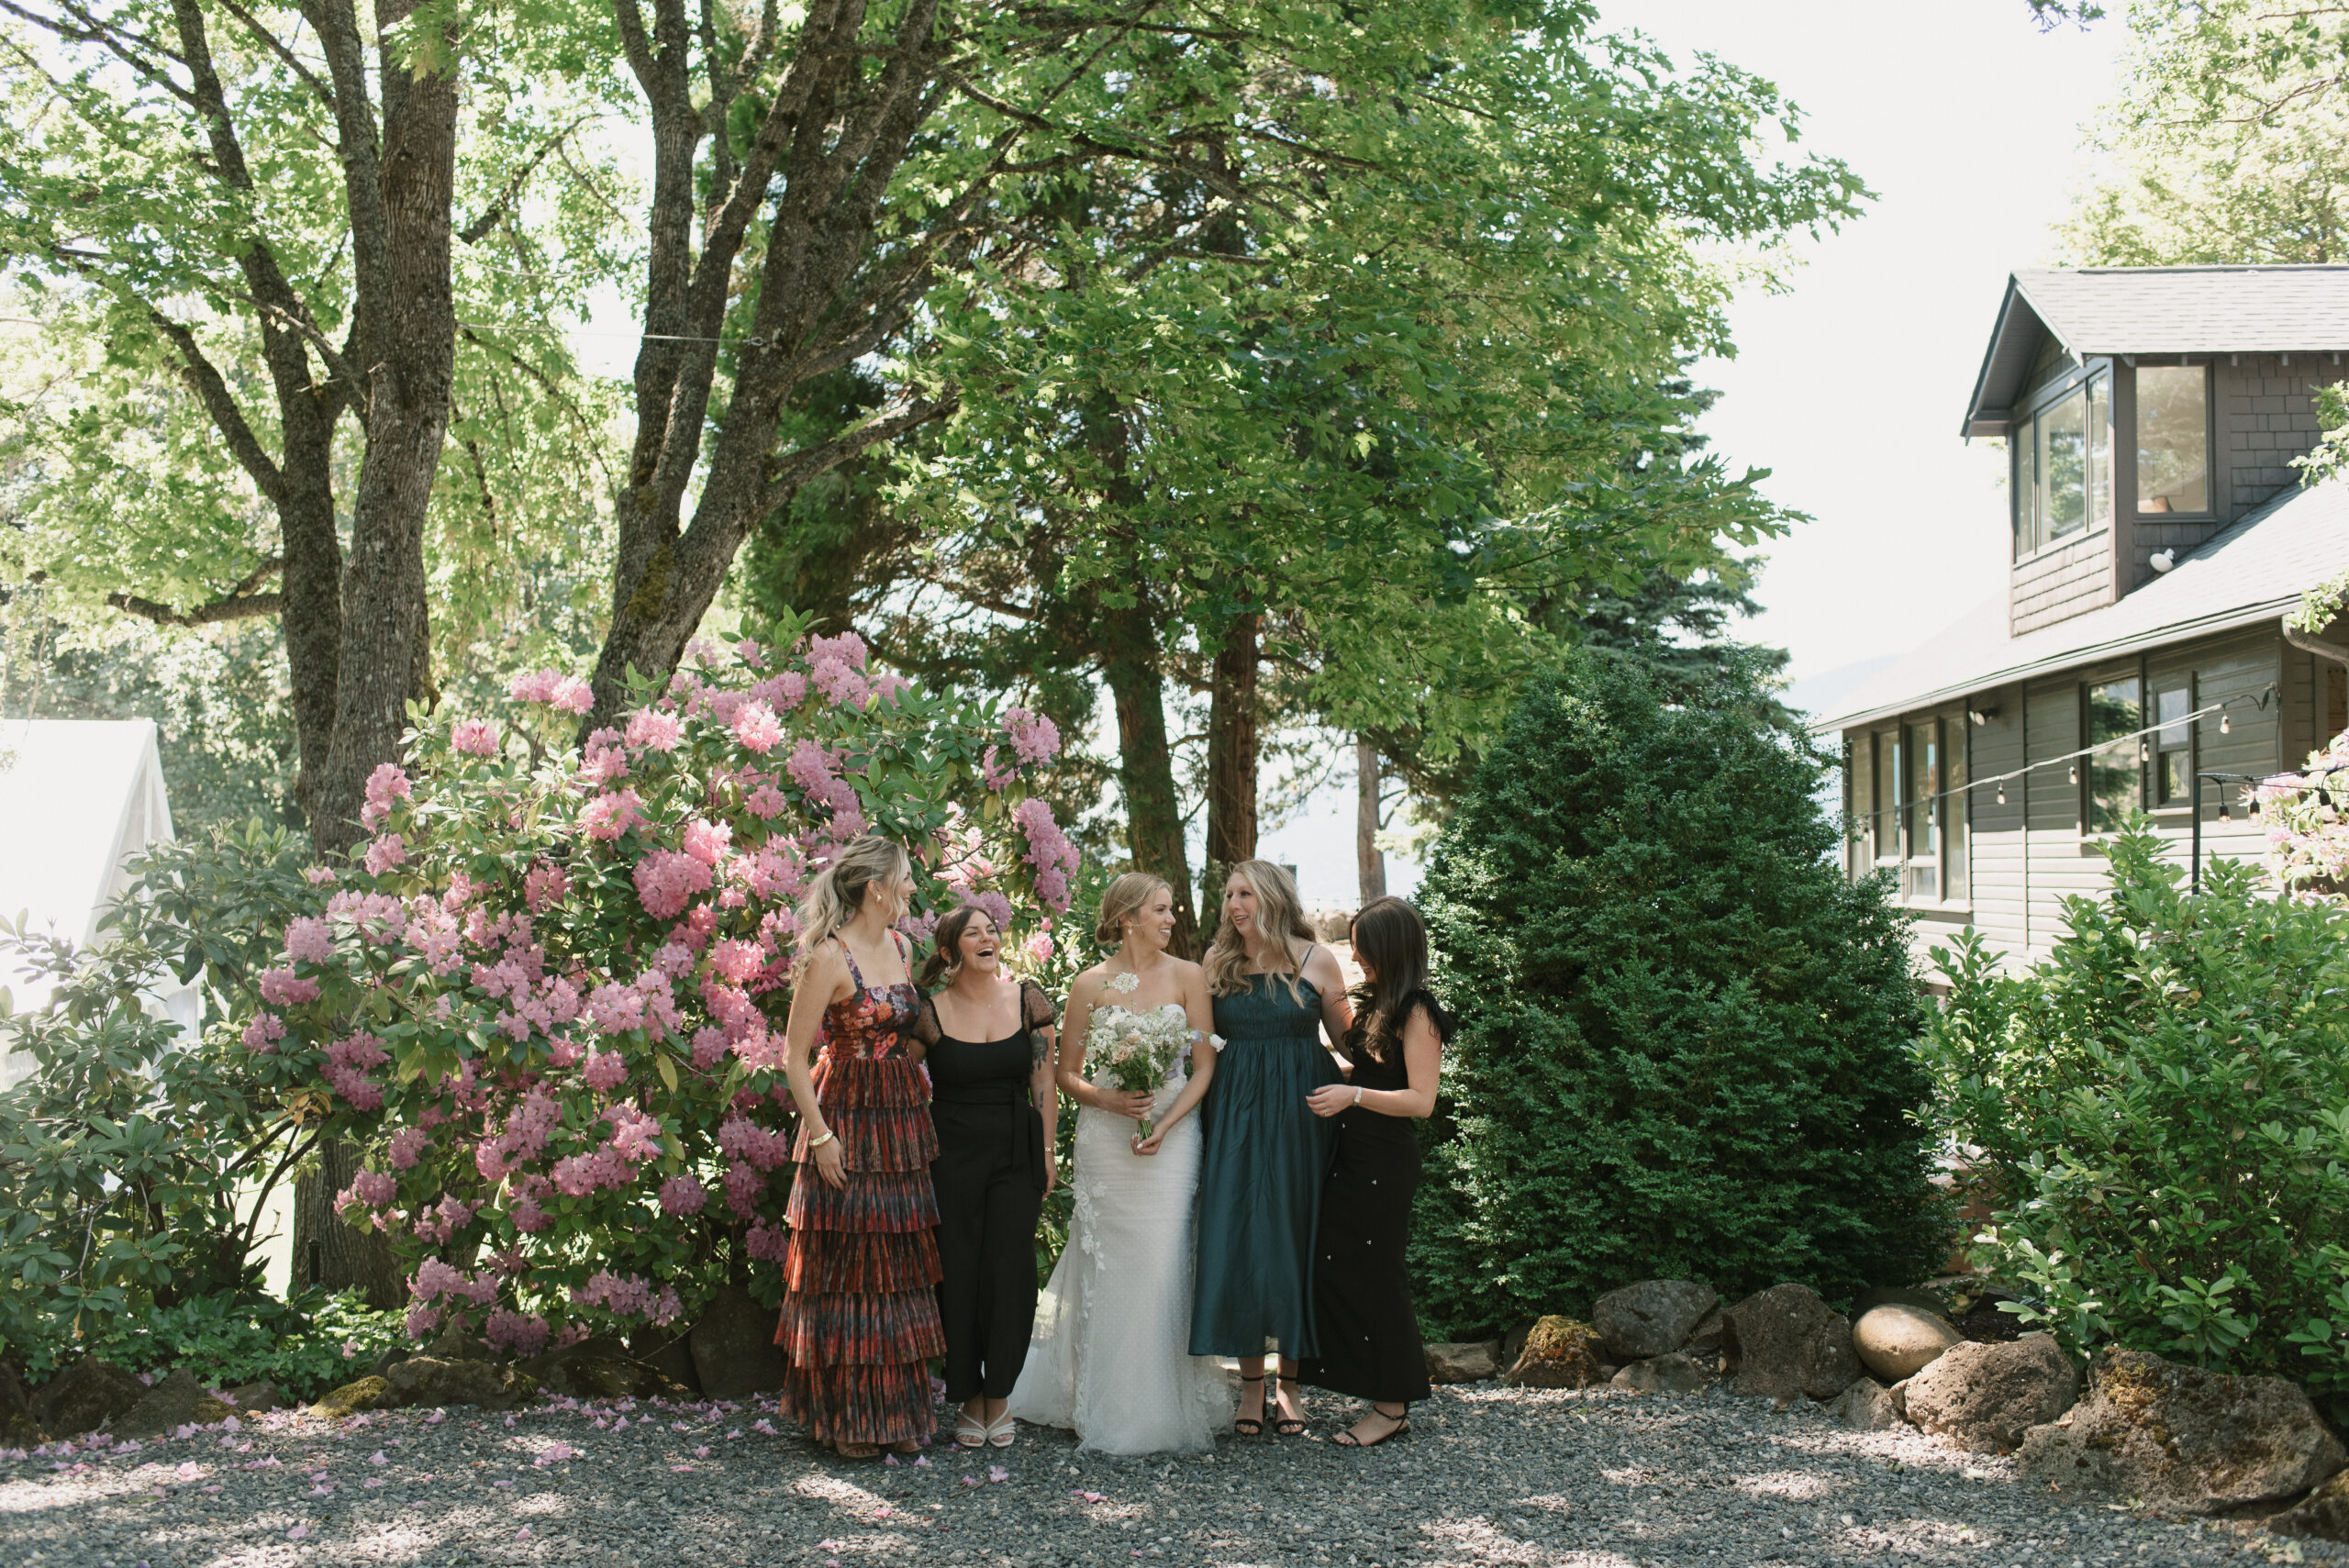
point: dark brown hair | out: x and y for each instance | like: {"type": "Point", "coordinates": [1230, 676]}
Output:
{"type": "Point", "coordinates": [1391, 942]}
{"type": "Point", "coordinates": [945, 959]}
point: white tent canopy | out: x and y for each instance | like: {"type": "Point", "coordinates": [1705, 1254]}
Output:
{"type": "Point", "coordinates": [79, 798]}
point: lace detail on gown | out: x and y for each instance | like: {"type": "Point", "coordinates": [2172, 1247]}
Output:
{"type": "Point", "coordinates": [1109, 1357]}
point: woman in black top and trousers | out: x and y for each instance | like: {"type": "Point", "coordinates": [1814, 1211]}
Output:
{"type": "Point", "coordinates": [1368, 1333]}
{"type": "Point", "coordinates": [988, 1042]}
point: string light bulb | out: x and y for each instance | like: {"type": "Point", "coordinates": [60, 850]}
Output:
{"type": "Point", "coordinates": [2076, 773]}
{"type": "Point", "coordinates": [2002, 792]}
{"type": "Point", "coordinates": [2144, 751]}
{"type": "Point", "coordinates": [2225, 815]}
{"type": "Point", "coordinates": [2226, 725]}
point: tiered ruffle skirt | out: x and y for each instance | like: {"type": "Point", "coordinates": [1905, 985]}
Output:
{"type": "Point", "coordinates": [859, 1310]}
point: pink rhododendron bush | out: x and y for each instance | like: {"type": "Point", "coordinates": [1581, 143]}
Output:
{"type": "Point", "coordinates": [550, 1002]}
{"type": "Point", "coordinates": [2307, 817]}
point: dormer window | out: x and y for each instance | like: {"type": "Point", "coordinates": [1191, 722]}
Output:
{"type": "Point", "coordinates": [2062, 466]}
{"type": "Point", "coordinates": [2172, 439]}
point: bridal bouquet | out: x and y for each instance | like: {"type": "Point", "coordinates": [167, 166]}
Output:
{"type": "Point", "coordinates": [1138, 1050]}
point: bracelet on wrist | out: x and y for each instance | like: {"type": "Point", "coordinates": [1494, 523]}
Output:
{"type": "Point", "coordinates": [1357, 1094]}
{"type": "Point", "coordinates": [819, 1141]}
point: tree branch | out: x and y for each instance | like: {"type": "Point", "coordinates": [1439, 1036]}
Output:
{"type": "Point", "coordinates": [472, 233]}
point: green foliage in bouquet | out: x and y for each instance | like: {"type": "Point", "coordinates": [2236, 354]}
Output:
{"type": "Point", "coordinates": [2161, 1109]}
{"type": "Point", "coordinates": [1686, 1042]}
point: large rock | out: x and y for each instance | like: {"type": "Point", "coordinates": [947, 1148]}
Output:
{"type": "Point", "coordinates": [1653, 1317]}
{"type": "Point", "coordinates": [2323, 1515]}
{"type": "Point", "coordinates": [733, 1347]}
{"type": "Point", "coordinates": [1898, 1295]}
{"type": "Point", "coordinates": [1463, 1362]}
{"type": "Point", "coordinates": [429, 1381]}
{"type": "Point", "coordinates": [86, 1397]}
{"type": "Point", "coordinates": [670, 1353]}
{"type": "Point", "coordinates": [1786, 1340]}
{"type": "Point", "coordinates": [1866, 1406]}
{"type": "Point", "coordinates": [1559, 1353]}
{"type": "Point", "coordinates": [253, 1399]}
{"type": "Point", "coordinates": [1671, 1374]}
{"type": "Point", "coordinates": [1899, 1340]}
{"type": "Point", "coordinates": [1705, 1338]}
{"type": "Point", "coordinates": [1986, 1396]}
{"type": "Point", "coordinates": [19, 1428]}
{"type": "Point", "coordinates": [584, 1372]}
{"type": "Point", "coordinates": [366, 1393]}
{"type": "Point", "coordinates": [2183, 1440]}
{"type": "Point", "coordinates": [178, 1401]}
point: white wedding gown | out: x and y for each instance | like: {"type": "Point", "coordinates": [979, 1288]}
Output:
{"type": "Point", "coordinates": [1109, 1356]}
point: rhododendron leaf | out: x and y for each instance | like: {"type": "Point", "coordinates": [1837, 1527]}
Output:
{"type": "Point", "coordinates": [668, 1071]}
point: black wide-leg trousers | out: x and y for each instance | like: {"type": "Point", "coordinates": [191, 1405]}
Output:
{"type": "Point", "coordinates": [988, 1209]}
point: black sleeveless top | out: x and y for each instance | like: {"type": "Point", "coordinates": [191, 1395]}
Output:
{"type": "Point", "coordinates": [1390, 1072]}
{"type": "Point", "coordinates": [979, 1088]}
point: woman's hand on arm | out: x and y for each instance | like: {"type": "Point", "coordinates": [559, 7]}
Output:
{"type": "Point", "coordinates": [823, 981]}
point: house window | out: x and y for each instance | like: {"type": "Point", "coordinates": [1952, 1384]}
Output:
{"type": "Point", "coordinates": [1954, 797]}
{"type": "Point", "coordinates": [2063, 468]}
{"type": "Point", "coordinates": [2173, 439]}
{"type": "Point", "coordinates": [1922, 805]}
{"type": "Point", "coordinates": [2174, 746]}
{"type": "Point", "coordinates": [2113, 781]}
{"type": "Point", "coordinates": [1887, 819]}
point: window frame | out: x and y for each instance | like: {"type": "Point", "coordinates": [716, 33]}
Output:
{"type": "Point", "coordinates": [1886, 752]}
{"type": "Point", "coordinates": [2134, 675]}
{"type": "Point", "coordinates": [2081, 382]}
{"type": "Point", "coordinates": [2209, 512]}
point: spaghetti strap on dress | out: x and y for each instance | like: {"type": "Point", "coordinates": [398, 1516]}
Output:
{"type": "Point", "coordinates": [860, 1309]}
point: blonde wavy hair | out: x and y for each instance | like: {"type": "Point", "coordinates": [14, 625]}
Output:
{"type": "Point", "coordinates": [1125, 897]}
{"type": "Point", "coordinates": [1280, 915]}
{"type": "Point", "coordinates": [833, 898]}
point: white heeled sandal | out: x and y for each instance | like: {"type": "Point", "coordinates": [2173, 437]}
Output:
{"type": "Point", "coordinates": [1002, 1430]}
{"type": "Point", "coordinates": [971, 1433]}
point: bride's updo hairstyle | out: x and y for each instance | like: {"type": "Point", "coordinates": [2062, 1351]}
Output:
{"type": "Point", "coordinates": [1280, 915]}
{"type": "Point", "coordinates": [838, 892]}
{"type": "Point", "coordinates": [1127, 896]}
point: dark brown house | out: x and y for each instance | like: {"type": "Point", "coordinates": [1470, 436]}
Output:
{"type": "Point", "coordinates": [2159, 536]}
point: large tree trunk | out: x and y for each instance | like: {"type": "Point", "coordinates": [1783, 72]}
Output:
{"type": "Point", "coordinates": [331, 1254]}
{"type": "Point", "coordinates": [1370, 861]}
{"type": "Point", "coordinates": [1232, 723]}
{"type": "Point", "coordinates": [407, 353]}
{"type": "Point", "coordinates": [1146, 762]}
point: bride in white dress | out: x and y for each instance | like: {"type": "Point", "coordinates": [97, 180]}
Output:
{"type": "Point", "coordinates": [1109, 1356]}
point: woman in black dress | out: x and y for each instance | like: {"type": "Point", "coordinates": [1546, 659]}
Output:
{"type": "Point", "coordinates": [989, 1046]}
{"type": "Point", "coordinates": [1361, 1292]}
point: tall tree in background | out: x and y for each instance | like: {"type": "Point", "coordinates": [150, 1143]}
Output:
{"type": "Point", "coordinates": [2230, 140]}
{"type": "Point", "coordinates": [240, 228]}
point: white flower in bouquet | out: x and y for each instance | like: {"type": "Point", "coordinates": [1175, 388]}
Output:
{"type": "Point", "coordinates": [1138, 1050]}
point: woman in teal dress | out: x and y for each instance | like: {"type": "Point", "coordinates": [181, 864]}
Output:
{"type": "Point", "coordinates": [1274, 990]}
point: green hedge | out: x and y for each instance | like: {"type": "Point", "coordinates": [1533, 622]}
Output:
{"type": "Point", "coordinates": [1686, 1042]}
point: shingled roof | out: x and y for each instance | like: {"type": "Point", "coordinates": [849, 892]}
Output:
{"type": "Point", "coordinates": [2250, 572]}
{"type": "Point", "coordinates": [2155, 310]}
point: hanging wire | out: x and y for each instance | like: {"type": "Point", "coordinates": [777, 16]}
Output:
{"type": "Point", "coordinates": [2072, 758]}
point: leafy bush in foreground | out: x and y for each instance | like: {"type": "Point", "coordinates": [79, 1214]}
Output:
{"type": "Point", "coordinates": [2163, 1108]}
{"type": "Point", "coordinates": [1686, 1042]}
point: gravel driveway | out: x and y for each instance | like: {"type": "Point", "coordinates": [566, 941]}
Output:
{"type": "Point", "coordinates": [1489, 1475]}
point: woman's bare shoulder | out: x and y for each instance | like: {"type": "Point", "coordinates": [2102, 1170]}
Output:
{"type": "Point", "coordinates": [1089, 980]}
{"type": "Point", "coordinates": [1184, 970]}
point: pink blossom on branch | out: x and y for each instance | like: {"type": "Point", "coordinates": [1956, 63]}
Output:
{"type": "Point", "coordinates": [283, 988]}
{"type": "Point", "coordinates": [308, 939]}
{"type": "Point", "coordinates": [384, 852]}
{"type": "Point", "coordinates": [666, 879]}
{"type": "Point", "coordinates": [474, 737]}
{"type": "Point", "coordinates": [649, 729]}
{"type": "Point", "coordinates": [756, 727]}
{"type": "Point", "coordinates": [608, 815]}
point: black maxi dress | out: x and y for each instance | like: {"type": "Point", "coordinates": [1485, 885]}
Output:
{"type": "Point", "coordinates": [1362, 1289]}
{"type": "Point", "coordinates": [990, 1180]}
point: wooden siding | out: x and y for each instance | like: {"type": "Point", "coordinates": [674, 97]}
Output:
{"type": "Point", "coordinates": [2028, 854]}
{"type": "Point", "coordinates": [2264, 415]}
{"type": "Point", "coordinates": [2061, 581]}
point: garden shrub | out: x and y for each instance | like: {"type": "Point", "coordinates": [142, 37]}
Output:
{"type": "Point", "coordinates": [2162, 1108]}
{"type": "Point", "coordinates": [306, 1348]}
{"type": "Point", "coordinates": [550, 999]}
{"type": "Point", "coordinates": [1686, 1042]}
{"type": "Point", "coordinates": [135, 1164]}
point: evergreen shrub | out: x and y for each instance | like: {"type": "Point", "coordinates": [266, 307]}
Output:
{"type": "Point", "coordinates": [2162, 1108]}
{"type": "Point", "coordinates": [1687, 1043]}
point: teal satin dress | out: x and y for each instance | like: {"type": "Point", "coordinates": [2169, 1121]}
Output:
{"type": "Point", "coordinates": [1261, 1174]}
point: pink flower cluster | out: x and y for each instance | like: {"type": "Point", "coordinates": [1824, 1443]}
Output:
{"type": "Point", "coordinates": [566, 694]}
{"type": "Point", "coordinates": [435, 1279]}
{"type": "Point", "coordinates": [409, 1145]}
{"type": "Point", "coordinates": [666, 879]}
{"type": "Point", "coordinates": [512, 1332]}
{"type": "Point", "coordinates": [385, 851]}
{"type": "Point", "coordinates": [650, 730]}
{"type": "Point", "coordinates": [388, 784]}
{"type": "Point", "coordinates": [444, 1218]}
{"type": "Point", "coordinates": [608, 815]}
{"type": "Point", "coordinates": [682, 1195]}
{"type": "Point", "coordinates": [308, 940]}
{"type": "Point", "coordinates": [832, 665]}
{"type": "Point", "coordinates": [1035, 737]}
{"type": "Point", "coordinates": [349, 1060]}
{"type": "Point", "coordinates": [1049, 851]}
{"type": "Point", "coordinates": [283, 988]}
{"type": "Point", "coordinates": [262, 1032]}
{"type": "Point", "coordinates": [474, 737]}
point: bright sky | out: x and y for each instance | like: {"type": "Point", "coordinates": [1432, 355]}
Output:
{"type": "Point", "coordinates": [1966, 120]}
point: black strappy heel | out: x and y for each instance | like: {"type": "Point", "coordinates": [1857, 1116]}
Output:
{"type": "Point", "coordinates": [1401, 1428]}
{"type": "Point", "coordinates": [1249, 1425]}
{"type": "Point", "coordinates": [1287, 1427]}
